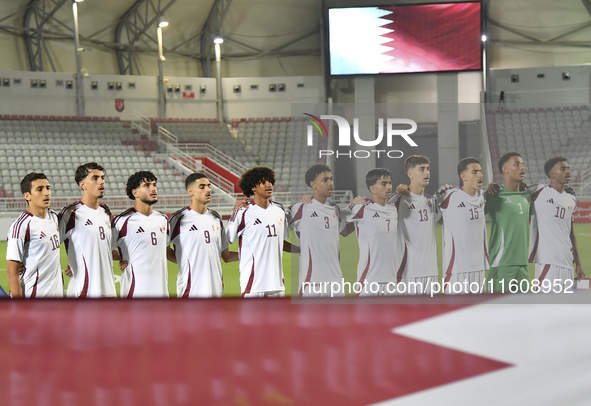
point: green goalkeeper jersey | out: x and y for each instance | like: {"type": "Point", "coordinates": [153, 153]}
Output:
{"type": "Point", "coordinates": [509, 231]}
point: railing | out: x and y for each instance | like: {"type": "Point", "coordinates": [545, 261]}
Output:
{"type": "Point", "coordinates": [194, 165]}
{"type": "Point", "coordinates": [166, 136]}
{"type": "Point", "coordinates": [142, 124]}
{"type": "Point", "coordinates": [120, 203]}
{"type": "Point", "coordinates": [206, 150]}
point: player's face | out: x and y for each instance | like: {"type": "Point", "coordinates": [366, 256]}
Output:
{"type": "Point", "coordinates": [472, 176]}
{"type": "Point", "coordinates": [514, 168]}
{"type": "Point", "coordinates": [147, 192]}
{"type": "Point", "coordinates": [561, 172]}
{"type": "Point", "coordinates": [421, 174]}
{"type": "Point", "coordinates": [263, 189]}
{"type": "Point", "coordinates": [200, 190]}
{"type": "Point", "coordinates": [323, 184]}
{"type": "Point", "coordinates": [40, 195]}
{"type": "Point", "coordinates": [94, 183]}
{"type": "Point", "coordinates": [383, 188]}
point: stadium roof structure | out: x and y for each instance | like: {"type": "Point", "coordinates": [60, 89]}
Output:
{"type": "Point", "coordinates": [253, 29]}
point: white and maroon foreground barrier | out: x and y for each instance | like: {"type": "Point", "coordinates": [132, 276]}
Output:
{"type": "Point", "coordinates": [219, 352]}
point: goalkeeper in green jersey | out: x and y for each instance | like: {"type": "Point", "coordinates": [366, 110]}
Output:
{"type": "Point", "coordinates": [508, 207]}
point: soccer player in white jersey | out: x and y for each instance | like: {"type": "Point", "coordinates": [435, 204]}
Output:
{"type": "Point", "coordinates": [33, 243]}
{"type": "Point", "coordinates": [376, 223]}
{"type": "Point", "coordinates": [141, 235]}
{"type": "Point", "coordinates": [465, 251]}
{"type": "Point", "coordinates": [199, 239]}
{"type": "Point", "coordinates": [261, 229]}
{"type": "Point", "coordinates": [418, 214]}
{"type": "Point", "coordinates": [317, 225]}
{"type": "Point", "coordinates": [85, 229]}
{"type": "Point", "coordinates": [553, 245]}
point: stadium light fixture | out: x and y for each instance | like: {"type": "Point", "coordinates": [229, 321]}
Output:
{"type": "Point", "coordinates": [483, 38]}
{"type": "Point", "coordinates": [218, 40]}
{"type": "Point", "coordinates": [78, 1]}
{"type": "Point", "coordinates": [163, 21]}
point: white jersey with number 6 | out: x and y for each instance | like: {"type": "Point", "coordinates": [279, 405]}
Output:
{"type": "Point", "coordinates": [199, 240]}
{"type": "Point", "coordinates": [417, 218]}
{"type": "Point", "coordinates": [551, 225]}
{"type": "Point", "coordinates": [142, 241]}
{"type": "Point", "coordinates": [35, 243]}
{"type": "Point", "coordinates": [260, 233]}
{"type": "Point", "coordinates": [86, 234]}
{"type": "Point", "coordinates": [465, 246]}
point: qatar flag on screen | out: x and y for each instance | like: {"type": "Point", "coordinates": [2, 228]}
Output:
{"type": "Point", "coordinates": [423, 38]}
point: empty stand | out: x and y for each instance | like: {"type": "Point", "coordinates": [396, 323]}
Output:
{"type": "Point", "coordinates": [539, 134]}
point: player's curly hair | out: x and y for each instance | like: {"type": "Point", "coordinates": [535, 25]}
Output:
{"type": "Point", "coordinates": [254, 177]}
{"type": "Point", "coordinates": [375, 174]}
{"type": "Point", "coordinates": [136, 180]}
{"type": "Point", "coordinates": [551, 162]}
{"type": "Point", "coordinates": [314, 171]}
{"type": "Point", "coordinates": [27, 182]}
{"type": "Point", "coordinates": [506, 156]}
{"type": "Point", "coordinates": [83, 171]}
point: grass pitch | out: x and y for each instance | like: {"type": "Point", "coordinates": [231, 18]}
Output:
{"type": "Point", "coordinates": [349, 258]}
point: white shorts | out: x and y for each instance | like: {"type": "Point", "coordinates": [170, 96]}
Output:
{"type": "Point", "coordinates": [321, 289]}
{"type": "Point", "coordinates": [554, 273]}
{"type": "Point", "coordinates": [464, 283]}
{"type": "Point", "coordinates": [272, 293]}
{"type": "Point", "coordinates": [418, 285]}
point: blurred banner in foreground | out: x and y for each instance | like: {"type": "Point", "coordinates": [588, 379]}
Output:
{"type": "Point", "coordinates": [214, 352]}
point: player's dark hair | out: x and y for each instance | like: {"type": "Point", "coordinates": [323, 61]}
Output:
{"type": "Point", "coordinates": [503, 160]}
{"type": "Point", "coordinates": [463, 165]}
{"type": "Point", "coordinates": [415, 160]}
{"type": "Point", "coordinates": [551, 162]}
{"type": "Point", "coordinates": [254, 177]}
{"type": "Point", "coordinates": [136, 180]}
{"type": "Point", "coordinates": [27, 182]}
{"type": "Point", "coordinates": [83, 171]}
{"type": "Point", "coordinates": [195, 176]}
{"type": "Point", "coordinates": [314, 171]}
{"type": "Point", "coordinates": [375, 174]}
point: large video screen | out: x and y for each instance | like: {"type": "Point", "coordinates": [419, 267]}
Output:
{"type": "Point", "coordinates": [400, 39]}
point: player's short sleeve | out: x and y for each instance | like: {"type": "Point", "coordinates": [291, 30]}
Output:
{"type": "Point", "coordinates": [443, 198]}
{"type": "Point", "coordinates": [353, 213]}
{"type": "Point", "coordinates": [296, 212]}
{"type": "Point", "coordinates": [63, 220]}
{"type": "Point", "coordinates": [15, 245]}
{"type": "Point", "coordinates": [236, 224]}
{"type": "Point", "coordinates": [224, 237]}
{"type": "Point", "coordinates": [116, 234]}
{"type": "Point", "coordinates": [436, 209]}
{"type": "Point", "coordinates": [533, 189]}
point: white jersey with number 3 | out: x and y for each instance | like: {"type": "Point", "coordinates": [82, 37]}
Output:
{"type": "Point", "coordinates": [199, 240]}
{"type": "Point", "coordinates": [551, 225]}
{"type": "Point", "coordinates": [142, 241]}
{"type": "Point", "coordinates": [260, 233]}
{"type": "Point", "coordinates": [35, 243]}
{"type": "Point", "coordinates": [465, 246]}
{"type": "Point", "coordinates": [86, 234]}
{"type": "Point", "coordinates": [317, 226]}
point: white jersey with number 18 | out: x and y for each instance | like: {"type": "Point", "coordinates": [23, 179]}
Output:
{"type": "Point", "coordinates": [35, 243]}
